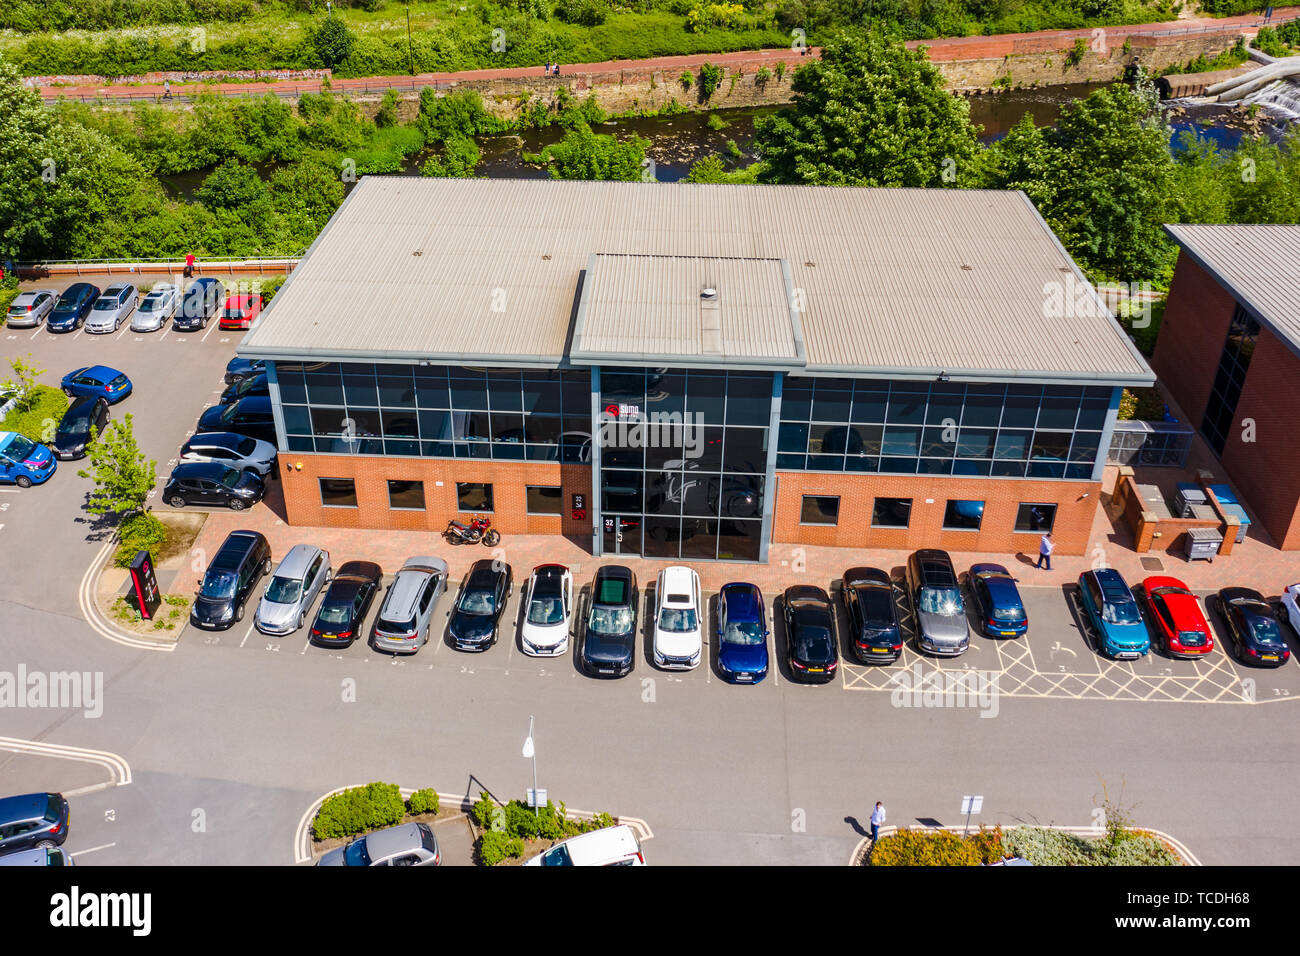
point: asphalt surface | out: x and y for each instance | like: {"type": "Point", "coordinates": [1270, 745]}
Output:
{"type": "Point", "coordinates": [232, 736]}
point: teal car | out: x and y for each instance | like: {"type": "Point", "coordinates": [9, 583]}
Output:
{"type": "Point", "coordinates": [1113, 611]}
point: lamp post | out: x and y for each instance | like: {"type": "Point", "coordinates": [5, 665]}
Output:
{"type": "Point", "coordinates": [410, 55]}
{"type": "Point", "coordinates": [530, 753]}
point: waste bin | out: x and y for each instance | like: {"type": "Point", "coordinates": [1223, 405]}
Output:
{"type": "Point", "coordinates": [1202, 543]}
{"type": "Point", "coordinates": [1224, 494]}
{"type": "Point", "coordinates": [1188, 494]}
{"type": "Point", "coordinates": [1240, 514]}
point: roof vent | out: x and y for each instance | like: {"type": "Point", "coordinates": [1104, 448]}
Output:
{"type": "Point", "coordinates": [708, 293]}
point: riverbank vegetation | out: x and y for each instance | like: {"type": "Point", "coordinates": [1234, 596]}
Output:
{"type": "Point", "coordinates": [129, 37]}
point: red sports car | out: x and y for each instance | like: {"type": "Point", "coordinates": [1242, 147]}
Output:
{"type": "Point", "coordinates": [1178, 617]}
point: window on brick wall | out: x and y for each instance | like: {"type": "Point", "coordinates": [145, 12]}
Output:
{"type": "Point", "coordinates": [820, 509]}
{"type": "Point", "coordinates": [338, 492]}
{"type": "Point", "coordinates": [963, 515]}
{"type": "Point", "coordinates": [1032, 516]}
{"type": "Point", "coordinates": [891, 513]}
{"type": "Point", "coordinates": [473, 496]}
{"type": "Point", "coordinates": [406, 495]}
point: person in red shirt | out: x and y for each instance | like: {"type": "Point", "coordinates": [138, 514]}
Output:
{"type": "Point", "coordinates": [189, 266]}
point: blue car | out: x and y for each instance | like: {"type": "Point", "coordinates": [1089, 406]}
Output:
{"type": "Point", "coordinates": [98, 381]}
{"type": "Point", "coordinates": [742, 634]}
{"type": "Point", "coordinates": [23, 462]}
{"type": "Point", "coordinates": [72, 308]}
{"type": "Point", "coordinates": [1110, 605]}
{"type": "Point", "coordinates": [997, 600]}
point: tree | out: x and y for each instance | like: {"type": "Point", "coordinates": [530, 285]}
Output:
{"type": "Point", "coordinates": [870, 112]}
{"type": "Point", "coordinates": [23, 383]}
{"type": "Point", "coordinates": [583, 154]}
{"type": "Point", "coordinates": [459, 157]}
{"type": "Point", "coordinates": [123, 476]}
{"type": "Point", "coordinates": [232, 185]}
{"type": "Point", "coordinates": [333, 41]}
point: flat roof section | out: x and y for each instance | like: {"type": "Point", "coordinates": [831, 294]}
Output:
{"type": "Point", "coordinates": [650, 310]}
{"type": "Point", "coordinates": [904, 283]}
{"type": "Point", "coordinates": [1259, 266]}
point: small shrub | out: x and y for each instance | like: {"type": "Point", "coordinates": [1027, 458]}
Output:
{"type": "Point", "coordinates": [358, 810]}
{"type": "Point", "coordinates": [423, 801]}
{"type": "Point", "coordinates": [483, 812]}
{"type": "Point", "coordinates": [763, 76]}
{"type": "Point", "coordinates": [710, 77]}
{"type": "Point", "coordinates": [926, 848]}
{"type": "Point", "coordinates": [686, 79]}
{"type": "Point", "coordinates": [139, 532]}
{"type": "Point", "coordinates": [716, 122]}
{"type": "Point", "coordinates": [333, 41]}
{"type": "Point", "coordinates": [520, 820]}
{"type": "Point", "coordinates": [495, 846]}
{"type": "Point", "coordinates": [1077, 52]}
{"type": "Point", "coordinates": [386, 116]}
{"type": "Point", "coordinates": [584, 13]}
{"type": "Point", "coordinates": [780, 70]}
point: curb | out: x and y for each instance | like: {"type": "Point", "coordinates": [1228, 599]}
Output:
{"type": "Point", "coordinates": [302, 835]}
{"type": "Point", "coordinates": [119, 770]}
{"type": "Point", "coordinates": [859, 855]}
{"type": "Point", "coordinates": [96, 619]}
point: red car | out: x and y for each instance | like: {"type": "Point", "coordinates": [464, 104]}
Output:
{"type": "Point", "coordinates": [240, 311]}
{"type": "Point", "coordinates": [1178, 618]}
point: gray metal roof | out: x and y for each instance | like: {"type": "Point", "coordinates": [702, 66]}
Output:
{"type": "Point", "coordinates": [650, 310]}
{"type": "Point", "coordinates": [1259, 266]}
{"type": "Point", "coordinates": [896, 282]}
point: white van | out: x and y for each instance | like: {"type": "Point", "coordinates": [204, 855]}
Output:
{"type": "Point", "coordinates": [612, 846]}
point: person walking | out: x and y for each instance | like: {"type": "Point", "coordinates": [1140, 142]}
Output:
{"type": "Point", "coordinates": [877, 819]}
{"type": "Point", "coordinates": [189, 266]}
{"type": "Point", "coordinates": [167, 89]}
{"type": "Point", "coordinates": [1045, 547]}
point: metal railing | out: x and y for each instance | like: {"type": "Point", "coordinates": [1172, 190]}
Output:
{"type": "Point", "coordinates": [228, 264]}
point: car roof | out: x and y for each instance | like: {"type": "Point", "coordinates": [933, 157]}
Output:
{"type": "Point", "coordinates": [200, 469]}
{"type": "Point", "coordinates": [235, 547]}
{"type": "Point", "coordinates": [935, 567]}
{"type": "Point", "coordinates": [679, 579]}
{"type": "Point", "coordinates": [97, 371]}
{"type": "Point", "coordinates": [241, 299]}
{"type": "Point", "coordinates": [1154, 581]}
{"type": "Point", "coordinates": [230, 440]}
{"type": "Point", "coordinates": [744, 600]}
{"type": "Point", "coordinates": [1111, 581]}
{"type": "Point", "coordinates": [806, 592]}
{"type": "Point", "coordinates": [989, 569]}
{"type": "Point", "coordinates": [424, 563]}
{"type": "Point", "coordinates": [1241, 594]}
{"type": "Point", "coordinates": [27, 806]}
{"type": "Point", "coordinates": [359, 569]}
{"type": "Point", "coordinates": [295, 562]}
{"type": "Point", "coordinates": [385, 843]}
{"type": "Point", "coordinates": [601, 846]}
{"type": "Point", "coordinates": [255, 402]}
{"type": "Point", "coordinates": [484, 573]}
{"type": "Point", "coordinates": [117, 288]}
{"type": "Point", "coordinates": [875, 576]}
{"type": "Point", "coordinates": [81, 401]}
{"type": "Point", "coordinates": [33, 857]}
{"type": "Point", "coordinates": [410, 580]}
{"type": "Point", "coordinates": [81, 288]}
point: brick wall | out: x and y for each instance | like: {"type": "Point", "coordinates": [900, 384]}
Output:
{"type": "Point", "coordinates": [1266, 471]}
{"type": "Point", "coordinates": [1001, 497]}
{"type": "Point", "coordinates": [508, 479]}
{"type": "Point", "coordinates": [1191, 337]}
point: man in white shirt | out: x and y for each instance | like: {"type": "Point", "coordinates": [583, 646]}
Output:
{"type": "Point", "coordinates": [877, 819]}
{"type": "Point", "coordinates": [1045, 548]}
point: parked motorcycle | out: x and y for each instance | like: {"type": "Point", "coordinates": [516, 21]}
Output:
{"type": "Point", "coordinates": [480, 529]}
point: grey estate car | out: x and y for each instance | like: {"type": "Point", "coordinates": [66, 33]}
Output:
{"type": "Point", "coordinates": [412, 844]}
{"type": "Point", "coordinates": [941, 626]}
{"type": "Point", "coordinates": [402, 624]}
{"type": "Point", "coordinates": [300, 576]}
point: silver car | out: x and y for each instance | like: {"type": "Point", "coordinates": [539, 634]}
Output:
{"type": "Point", "coordinates": [302, 574]}
{"type": "Point", "coordinates": [941, 625]}
{"type": "Point", "coordinates": [235, 451]}
{"type": "Point", "coordinates": [30, 308]}
{"type": "Point", "coordinates": [402, 625]}
{"type": "Point", "coordinates": [156, 308]}
{"type": "Point", "coordinates": [114, 304]}
{"type": "Point", "coordinates": [412, 844]}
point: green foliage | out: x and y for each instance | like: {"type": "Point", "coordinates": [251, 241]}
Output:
{"type": "Point", "coordinates": [358, 810]}
{"type": "Point", "coordinates": [1077, 52]}
{"type": "Point", "coordinates": [495, 846]}
{"type": "Point", "coordinates": [763, 76]}
{"type": "Point", "coordinates": [461, 113]}
{"type": "Point", "coordinates": [1279, 41]}
{"type": "Point", "coordinates": [710, 77]}
{"type": "Point", "coordinates": [583, 154]}
{"type": "Point", "coordinates": [122, 474]}
{"type": "Point", "coordinates": [333, 41]}
{"type": "Point", "coordinates": [870, 112]}
{"type": "Point", "coordinates": [708, 16]}
{"type": "Point", "coordinates": [22, 386]}
{"type": "Point", "coordinates": [687, 79]}
{"type": "Point", "coordinates": [423, 801]}
{"type": "Point", "coordinates": [521, 820]}
{"type": "Point", "coordinates": [386, 115]}
{"type": "Point", "coordinates": [40, 420]}
{"type": "Point", "coordinates": [232, 185]}
{"type": "Point", "coordinates": [459, 157]}
{"type": "Point", "coordinates": [587, 13]}
{"type": "Point", "coordinates": [483, 812]}
{"type": "Point", "coordinates": [937, 848]}
{"type": "Point", "coordinates": [139, 532]}
{"type": "Point", "coordinates": [1044, 847]}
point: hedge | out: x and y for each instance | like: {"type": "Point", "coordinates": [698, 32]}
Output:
{"type": "Point", "coordinates": [495, 845]}
{"type": "Point", "coordinates": [40, 421]}
{"type": "Point", "coordinates": [938, 848]}
{"type": "Point", "coordinates": [1044, 847]}
{"type": "Point", "coordinates": [423, 801]}
{"type": "Point", "coordinates": [358, 810]}
{"type": "Point", "coordinates": [139, 532]}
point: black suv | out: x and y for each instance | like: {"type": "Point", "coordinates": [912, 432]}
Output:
{"type": "Point", "coordinates": [868, 595]}
{"type": "Point", "coordinates": [243, 559]}
{"type": "Point", "coordinates": [251, 416]}
{"type": "Point", "coordinates": [202, 300]}
{"type": "Point", "coordinates": [240, 368]}
{"type": "Point", "coordinates": [33, 820]}
{"type": "Point", "coordinates": [483, 596]}
{"type": "Point", "coordinates": [214, 484]}
{"type": "Point", "coordinates": [609, 639]}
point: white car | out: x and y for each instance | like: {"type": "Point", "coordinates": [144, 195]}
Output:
{"type": "Point", "coordinates": [29, 309]}
{"type": "Point", "coordinates": [1291, 601]}
{"type": "Point", "coordinates": [612, 846]}
{"type": "Point", "coordinates": [549, 603]}
{"type": "Point", "coordinates": [679, 631]}
{"type": "Point", "coordinates": [113, 305]}
{"type": "Point", "coordinates": [235, 451]}
{"type": "Point", "coordinates": [158, 306]}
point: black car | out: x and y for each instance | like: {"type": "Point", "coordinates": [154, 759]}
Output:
{"type": "Point", "coordinates": [251, 385]}
{"type": "Point", "coordinates": [69, 313]}
{"type": "Point", "coordinates": [240, 368]}
{"type": "Point", "coordinates": [250, 416]}
{"type": "Point", "coordinates": [84, 417]}
{"type": "Point", "coordinates": [33, 820]}
{"type": "Point", "coordinates": [1253, 627]}
{"type": "Point", "coordinates": [869, 599]}
{"type": "Point", "coordinates": [482, 598]}
{"type": "Point", "coordinates": [809, 633]}
{"type": "Point", "coordinates": [243, 559]}
{"type": "Point", "coordinates": [609, 638]}
{"type": "Point", "coordinates": [201, 301]}
{"type": "Point", "coordinates": [344, 607]}
{"type": "Point", "coordinates": [210, 483]}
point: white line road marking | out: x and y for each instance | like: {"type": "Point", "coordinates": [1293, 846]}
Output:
{"type": "Point", "coordinates": [304, 647]}
{"type": "Point", "coordinates": [206, 334]}
{"type": "Point", "coordinates": [124, 331]}
{"type": "Point", "coordinates": [117, 766]}
{"type": "Point", "coordinates": [81, 791]}
{"type": "Point", "coordinates": [103, 846]}
{"type": "Point", "coordinates": [34, 334]}
{"type": "Point", "coordinates": [246, 635]}
{"type": "Point", "coordinates": [98, 623]}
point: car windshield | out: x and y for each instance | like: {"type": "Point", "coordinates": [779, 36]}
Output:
{"type": "Point", "coordinates": [677, 619]}
{"type": "Point", "coordinates": [19, 447]}
{"type": "Point", "coordinates": [80, 423]}
{"type": "Point", "coordinates": [283, 590]}
{"type": "Point", "coordinates": [246, 447]}
{"type": "Point", "coordinates": [747, 632]}
{"type": "Point", "coordinates": [231, 478]}
{"type": "Point", "coordinates": [1124, 612]}
{"type": "Point", "coordinates": [1009, 613]}
{"type": "Point", "coordinates": [1264, 628]}
{"type": "Point", "coordinates": [228, 414]}
{"type": "Point", "coordinates": [610, 620]}
{"type": "Point", "coordinates": [944, 601]}
{"type": "Point", "coordinates": [477, 602]}
{"type": "Point", "coordinates": [152, 301]}
{"type": "Point", "coordinates": [546, 610]}
{"type": "Point", "coordinates": [815, 641]}
{"type": "Point", "coordinates": [557, 856]}
{"type": "Point", "coordinates": [335, 613]}
{"type": "Point", "coordinates": [218, 584]}
{"type": "Point", "coordinates": [356, 855]}
{"type": "Point", "coordinates": [105, 305]}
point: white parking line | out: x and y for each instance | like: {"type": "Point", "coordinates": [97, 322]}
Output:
{"type": "Point", "coordinates": [36, 333]}
{"type": "Point", "coordinates": [247, 634]}
{"type": "Point", "coordinates": [125, 330]}
{"type": "Point", "coordinates": [103, 846]}
{"type": "Point", "coordinates": [207, 333]}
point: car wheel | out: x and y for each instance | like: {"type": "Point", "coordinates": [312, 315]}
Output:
{"type": "Point", "coordinates": [22, 481]}
{"type": "Point", "coordinates": [298, 626]}
{"type": "Point", "coordinates": [239, 612]}
{"type": "Point", "coordinates": [176, 501]}
{"type": "Point", "coordinates": [67, 391]}
{"type": "Point", "coordinates": [266, 567]}
{"type": "Point", "coordinates": [236, 504]}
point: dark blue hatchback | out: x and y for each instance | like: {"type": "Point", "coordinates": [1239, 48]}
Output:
{"type": "Point", "coordinates": [1002, 613]}
{"type": "Point", "coordinates": [72, 308]}
{"type": "Point", "coordinates": [742, 634]}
